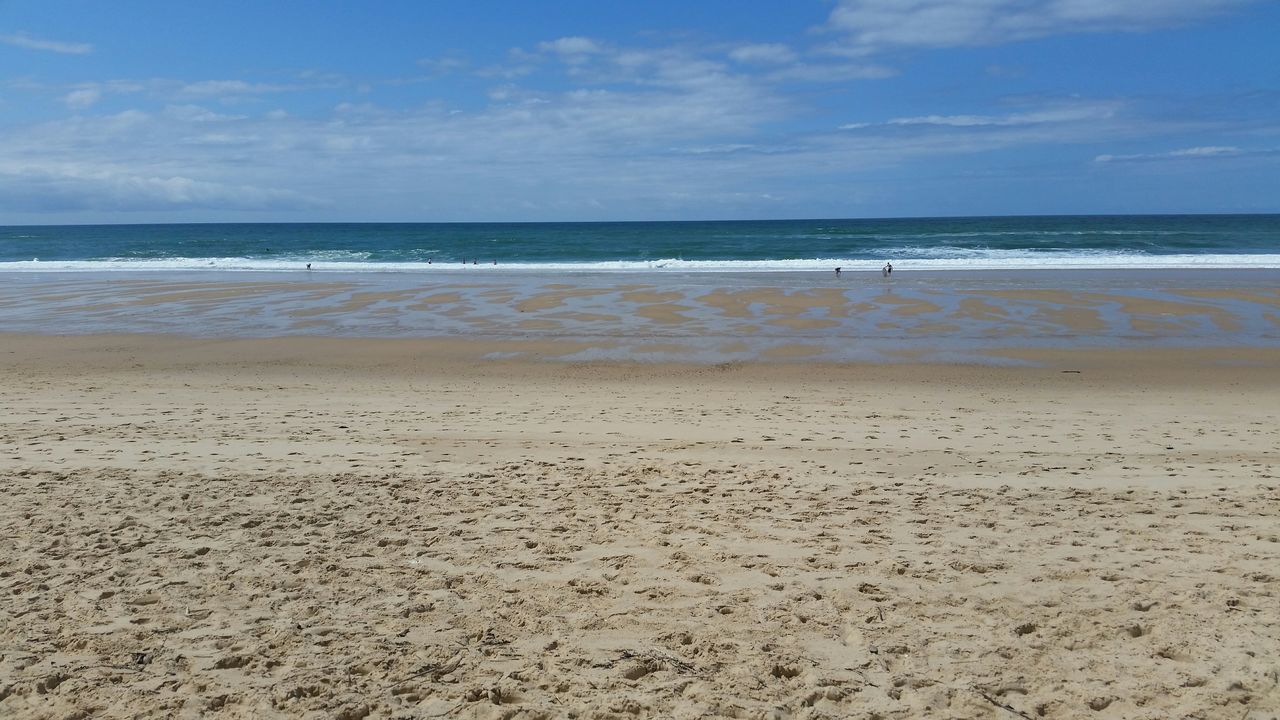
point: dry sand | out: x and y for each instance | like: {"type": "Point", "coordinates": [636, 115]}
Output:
{"type": "Point", "coordinates": [362, 528]}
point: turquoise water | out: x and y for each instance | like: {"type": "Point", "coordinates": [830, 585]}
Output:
{"type": "Point", "coordinates": [1185, 241]}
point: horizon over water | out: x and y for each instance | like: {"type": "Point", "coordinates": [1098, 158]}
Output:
{"type": "Point", "coordinates": [956, 243]}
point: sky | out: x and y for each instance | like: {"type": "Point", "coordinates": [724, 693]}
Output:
{"type": "Point", "coordinates": [562, 110]}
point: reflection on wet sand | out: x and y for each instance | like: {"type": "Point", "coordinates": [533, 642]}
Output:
{"type": "Point", "coordinates": [697, 320]}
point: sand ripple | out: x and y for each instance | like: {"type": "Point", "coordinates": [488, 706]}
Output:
{"type": "Point", "coordinates": [537, 589]}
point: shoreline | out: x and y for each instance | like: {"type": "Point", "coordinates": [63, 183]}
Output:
{"type": "Point", "coordinates": [704, 318]}
{"type": "Point", "coordinates": [294, 269]}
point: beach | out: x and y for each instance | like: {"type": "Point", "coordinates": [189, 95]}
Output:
{"type": "Point", "coordinates": [867, 359]}
{"type": "Point", "coordinates": [425, 527]}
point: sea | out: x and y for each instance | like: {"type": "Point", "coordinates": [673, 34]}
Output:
{"type": "Point", "coordinates": [935, 244]}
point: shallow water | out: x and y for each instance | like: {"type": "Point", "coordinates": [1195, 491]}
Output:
{"type": "Point", "coordinates": [699, 317]}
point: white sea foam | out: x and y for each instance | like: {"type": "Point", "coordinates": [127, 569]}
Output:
{"type": "Point", "coordinates": [904, 259]}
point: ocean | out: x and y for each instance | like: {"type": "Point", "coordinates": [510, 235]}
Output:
{"type": "Point", "coordinates": [972, 243]}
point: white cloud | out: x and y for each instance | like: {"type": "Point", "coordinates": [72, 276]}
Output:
{"type": "Point", "coordinates": [196, 113]}
{"type": "Point", "coordinates": [67, 186]}
{"type": "Point", "coordinates": [689, 67]}
{"type": "Point", "coordinates": [1203, 152]}
{"type": "Point", "coordinates": [1064, 114]}
{"type": "Point", "coordinates": [763, 53]}
{"type": "Point", "coordinates": [829, 72]}
{"type": "Point", "coordinates": [674, 67]}
{"type": "Point", "coordinates": [241, 88]}
{"type": "Point", "coordinates": [1005, 71]}
{"type": "Point", "coordinates": [571, 46]}
{"type": "Point", "coordinates": [1206, 151]}
{"type": "Point", "coordinates": [24, 40]}
{"type": "Point", "coordinates": [872, 25]}
{"type": "Point", "coordinates": [83, 95]}
{"type": "Point", "coordinates": [446, 65]}
{"type": "Point", "coordinates": [717, 149]}
{"type": "Point", "coordinates": [572, 49]}
{"type": "Point", "coordinates": [82, 98]}
{"type": "Point", "coordinates": [230, 87]}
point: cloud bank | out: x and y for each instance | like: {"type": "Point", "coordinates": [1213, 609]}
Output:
{"type": "Point", "coordinates": [694, 141]}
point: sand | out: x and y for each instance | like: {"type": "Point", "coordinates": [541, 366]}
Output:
{"type": "Point", "coordinates": [377, 528]}
{"type": "Point", "coordinates": [855, 318]}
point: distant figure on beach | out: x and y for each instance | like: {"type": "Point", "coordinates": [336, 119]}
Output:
{"type": "Point", "coordinates": [887, 270]}
{"type": "Point", "coordinates": [837, 272]}
{"type": "Point", "coordinates": [308, 266]}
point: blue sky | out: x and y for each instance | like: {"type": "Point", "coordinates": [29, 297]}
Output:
{"type": "Point", "coordinates": [499, 110]}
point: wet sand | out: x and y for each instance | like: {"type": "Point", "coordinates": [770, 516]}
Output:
{"type": "Point", "coordinates": [351, 528]}
{"type": "Point", "coordinates": [938, 317]}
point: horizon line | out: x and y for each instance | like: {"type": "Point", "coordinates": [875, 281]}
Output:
{"type": "Point", "coordinates": [640, 222]}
